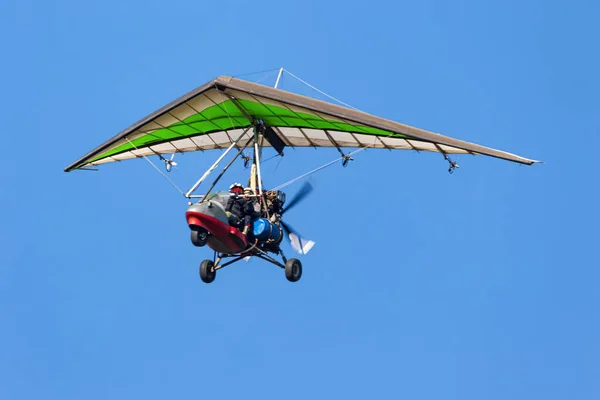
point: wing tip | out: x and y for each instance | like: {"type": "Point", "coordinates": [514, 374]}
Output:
{"type": "Point", "coordinates": [69, 168]}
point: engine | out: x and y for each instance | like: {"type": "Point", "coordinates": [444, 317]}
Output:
{"type": "Point", "coordinates": [275, 200]}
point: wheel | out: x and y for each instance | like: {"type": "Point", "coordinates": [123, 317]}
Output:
{"type": "Point", "coordinates": [199, 236]}
{"type": "Point", "coordinates": [207, 274]}
{"type": "Point", "coordinates": [293, 270]}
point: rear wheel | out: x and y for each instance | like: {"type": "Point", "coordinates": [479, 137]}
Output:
{"type": "Point", "coordinates": [293, 270]}
{"type": "Point", "coordinates": [207, 274]}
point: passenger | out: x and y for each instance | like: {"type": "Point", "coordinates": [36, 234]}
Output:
{"type": "Point", "coordinates": [249, 213]}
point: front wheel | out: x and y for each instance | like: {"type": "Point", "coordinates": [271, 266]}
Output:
{"type": "Point", "coordinates": [199, 236]}
{"type": "Point", "coordinates": [207, 273]}
{"type": "Point", "coordinates": [293, 270]}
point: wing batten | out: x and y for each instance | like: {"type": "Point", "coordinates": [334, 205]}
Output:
{"type": "Point", "coordinates": [312, 144]}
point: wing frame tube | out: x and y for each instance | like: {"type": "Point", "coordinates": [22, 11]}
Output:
{"type": "Point", "coordinates": [215, 165]}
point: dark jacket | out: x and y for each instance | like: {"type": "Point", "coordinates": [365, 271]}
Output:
{"type": "Point", "coordinates": [237, 205]}
{"type": "Point", "coordinates": [240, 207]}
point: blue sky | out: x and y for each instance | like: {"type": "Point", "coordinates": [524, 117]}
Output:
{"type": "Point", "coordinates": [422, 285]}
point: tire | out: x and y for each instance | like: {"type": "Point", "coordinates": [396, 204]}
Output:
{"type": "Point", "coordinates": [293, 270]}
{"type": "Point", "coordinates": [199, 236]}
{"type": "Point", "coordinates": [206, 272]}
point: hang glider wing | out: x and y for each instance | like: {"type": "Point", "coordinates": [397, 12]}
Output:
{"type": "Point", "coordinates": [214, 115]}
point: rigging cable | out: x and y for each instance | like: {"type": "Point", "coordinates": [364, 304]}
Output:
{"type": "Point", "coordinates": [320, 91]}
{"type": "Point", "coordinates": [256, 72]}
{"type": "Point", "coordinates": [318, 169]}
{"type": "Point", "coordinates": [155, 167]}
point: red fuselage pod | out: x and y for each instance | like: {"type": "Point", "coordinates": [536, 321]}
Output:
{"type": "Point", "coordinates": [211, 216]}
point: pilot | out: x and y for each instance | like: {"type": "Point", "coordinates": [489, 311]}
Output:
{"type": "Point", "coordinates": [235, 205]}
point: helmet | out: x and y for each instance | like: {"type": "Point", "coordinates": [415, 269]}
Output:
{"type": "Point", "coordinates": [236, 188]}
{"type": "Point", "coordinates": [247, 190]}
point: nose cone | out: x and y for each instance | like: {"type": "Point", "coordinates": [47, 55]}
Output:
{"type": "Point", "coordinates": [209, 209]}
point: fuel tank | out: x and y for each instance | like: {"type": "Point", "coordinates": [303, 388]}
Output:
{"type": "Point", "coordinates": [264, 230]}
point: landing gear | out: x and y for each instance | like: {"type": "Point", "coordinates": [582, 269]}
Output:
{"type": "Point", "coordinates": [293, 270]}
{"type": "Point", "coordinates": [207, 272]}
{"type": "Point", "coordinates": [208, 268]}
{"type": "Point", "coordinates": [199, 236]}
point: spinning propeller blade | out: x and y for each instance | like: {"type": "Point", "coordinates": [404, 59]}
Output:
{"type": "Point", "coordinates": [298, 243]}
{"type": "Point", "coordinates": [301, 195]}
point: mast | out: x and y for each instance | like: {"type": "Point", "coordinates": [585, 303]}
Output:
{"type": "Point", "coordinates": [255, 176]}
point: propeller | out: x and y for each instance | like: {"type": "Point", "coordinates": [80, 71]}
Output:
{"type": "Point", "coordinates": [304, 191]}
{"type": "Point", "coordinates": [298, 243]}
